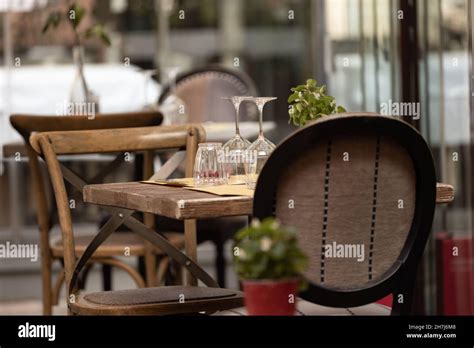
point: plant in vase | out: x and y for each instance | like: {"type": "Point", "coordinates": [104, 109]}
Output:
{"type": "Point", "coordinates": [309, 102]}
{"type": "Point", "coordinates": [270, 264]}
{"type": "Point", "coordinates": [80, 92]}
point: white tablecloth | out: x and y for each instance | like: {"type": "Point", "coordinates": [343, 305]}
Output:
{"type": "Point", "coordinates": [40, 89]}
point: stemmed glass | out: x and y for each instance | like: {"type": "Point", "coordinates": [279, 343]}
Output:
{"type": "Point", "coordinates": [261, 148]}
{"type": "Point", "coordinates": [234, 149]}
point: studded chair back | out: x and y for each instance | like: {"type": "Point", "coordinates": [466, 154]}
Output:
{"type": "Point", "coordinates": [360, 190]}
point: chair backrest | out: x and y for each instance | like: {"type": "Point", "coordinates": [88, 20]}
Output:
{"type": "Point", "coordinates": [360, 191]}
{"type": "Point", "coordinates": [52, 144]}
{"type": "Point", "coordinates": [28, 124]}
{"type": "Point", "coordinates": [201, 91]}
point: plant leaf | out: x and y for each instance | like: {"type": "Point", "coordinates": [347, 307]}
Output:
{"type": "Point", "coordinates": [76, 14]}
{"type": "Point", "coordinates": [340, 109]}
{"type": "Point", "coordinates": [52, 21]}
{"type": "Point", "coordinates": [309, 102]}
{"type": "Point", "coordinates": [292, 98]}
{"type": "Point", "coordinates": [98, 31]}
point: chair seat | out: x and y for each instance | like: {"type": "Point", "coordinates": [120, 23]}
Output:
{"type": "Point", "coordinates": [158, 301]}
{"type": "Point", "coordinates": [115, 245]}
{"type": "Point", "coordinates": [308, 308]}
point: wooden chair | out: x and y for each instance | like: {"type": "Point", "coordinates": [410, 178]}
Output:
{"type": "Point", "coordinates": [201, 91]}
{"type": "Point", "coordinates": [52, 250]}
{"type": "Point", "coordinates": [159, 300]}
{"type": "Point", "coordinates": [360, 181]}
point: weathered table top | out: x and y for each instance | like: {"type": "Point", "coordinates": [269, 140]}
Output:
{"type": "Point", "coordinates": [180, 203]}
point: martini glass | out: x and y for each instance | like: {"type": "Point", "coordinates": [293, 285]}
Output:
{"type": "Point", "coordinates": [235, 148]}
{"type": "Point", "coordinates": [260, 149]}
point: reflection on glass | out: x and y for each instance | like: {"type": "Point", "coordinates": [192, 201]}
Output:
{"type": "Point", "coordinates": [208, 167]}
{"type": "Point", "coordinates": [234, 149]}
{"type": "Point", "coordinates": [261, 148]}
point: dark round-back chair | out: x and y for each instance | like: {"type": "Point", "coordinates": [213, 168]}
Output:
{"type": "Point", "coordinates": [360, 190]}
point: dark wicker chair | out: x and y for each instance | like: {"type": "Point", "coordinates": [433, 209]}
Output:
{"type": "Point", "coordinates": [362, 180]}
{"type": "Point", "coordinates": [201, 91]}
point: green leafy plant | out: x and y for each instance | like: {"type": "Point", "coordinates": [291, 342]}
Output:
{"type": "Point", "coordinates": [309, 102]}
{"type": "Point", "coordinates": [266, 250]}
{"type": "Point", "coordinates": [74, 16]}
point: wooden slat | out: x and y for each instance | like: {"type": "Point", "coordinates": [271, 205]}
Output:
{"type": "Point", "coordinates": [179, 203]}
{"type": "Point", "coordinates": [117, 140]}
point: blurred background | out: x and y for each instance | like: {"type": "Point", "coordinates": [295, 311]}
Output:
{"type": "Point", "coordinates": [367, 52]}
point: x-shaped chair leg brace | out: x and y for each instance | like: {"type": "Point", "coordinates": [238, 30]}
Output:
{"type": "Point", "coordinates": [124, 217]}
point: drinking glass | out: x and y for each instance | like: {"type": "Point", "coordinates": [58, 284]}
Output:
{"type": "Point", "coordinates": [234, 149]}
{"type": "Point", "coordinates": [260, 149]}
{"type": "Point", "coordinates": [208, 167]}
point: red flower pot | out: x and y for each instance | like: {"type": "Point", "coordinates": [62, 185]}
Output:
{"type": "Point", "coordinates": [270, 297]}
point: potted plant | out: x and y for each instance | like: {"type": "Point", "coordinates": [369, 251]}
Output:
{"type": "Point", "coordinates": [270, 264]}
{"type": "Point", "coordinates": [80, 92]}
{"type": "Point", "coordinates": [309, 102]}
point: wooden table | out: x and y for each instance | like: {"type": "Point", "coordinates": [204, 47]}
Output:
{"type": "Point", "coordinates": [187, 205]}
{"type": "Point", "coordinates": [171, 202]}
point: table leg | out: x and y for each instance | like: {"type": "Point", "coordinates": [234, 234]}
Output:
{"type": "Point", "coordinates": [16, 216]}
{"type": "Point", "coordinates": [190, 240]}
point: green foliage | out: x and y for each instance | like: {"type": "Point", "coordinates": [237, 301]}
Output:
{"type": "Point", "coordinates": [74, 16]}
{"type": "Point", "coordinates": [309, 102]}
{"type": "Point", "coordinates": [53, 21]}
{"type": "Point", "coordinates": [265, 250]}
{"type": "Point", "coordinates": [99, 31]}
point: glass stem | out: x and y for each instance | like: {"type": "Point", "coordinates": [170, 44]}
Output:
{"type": "Point", "coordinates": [260, 120]}
{"type": "Point", "coordinates": [237, 128]}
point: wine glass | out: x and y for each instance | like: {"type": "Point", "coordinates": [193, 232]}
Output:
{"type": "Point", "coordinates": [234, 149]}
{"type": "Point", "coordinates": [260, 149]}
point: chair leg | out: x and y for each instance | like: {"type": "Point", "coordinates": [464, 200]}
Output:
{"type": "Point", "coordinates": [106, 277]}
{"type": "Point", "coordinates": [174, 274]}
{"type": "Point", "coordinates": [57, 288]}
{"type": "Point", "coordinates": [150, 266]}
{"type": "Point", "coordinates": [178, 274]}
{"type": "Point", "coordinates": [47, 289]}
{"type": "Point", "coordinates": [220, 261]}
{"type": "Point", "coordinates": [402, 303]}
{"type": "Point", "coordinates": [163, 267]}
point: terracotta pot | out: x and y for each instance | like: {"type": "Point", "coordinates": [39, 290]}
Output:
{"type": "Point", "coordinates": [270, 297]}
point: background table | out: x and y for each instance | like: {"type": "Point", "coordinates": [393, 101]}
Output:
{"type": "Point", "coordinates": [40, 89]}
